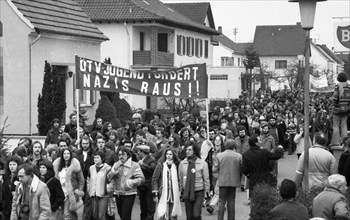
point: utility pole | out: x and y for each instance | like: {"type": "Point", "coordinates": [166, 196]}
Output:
{"type": "Point", "coordinates": [235, 32]}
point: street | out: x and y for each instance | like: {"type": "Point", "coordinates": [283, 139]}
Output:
{"type": "Point", "coordinates": [286, 168]}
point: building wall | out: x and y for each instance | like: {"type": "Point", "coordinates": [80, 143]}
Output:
{"type": "Point", "coordinates": [61, 50]}
{"type": "Point", "coordinates": [21, 96]}
{"type": "Point", "coordinates": [125, 38]}
{"type": "Point", "coordinates": [223, 89]}
{"type": "Point", "coordinates": [182, 60]}
{"type": "Point", "coordinates": [16, 71]}
{"type": "Point", "coordinates": [222, 51]}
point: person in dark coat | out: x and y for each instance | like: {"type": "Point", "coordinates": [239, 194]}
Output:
{"type": "Point", "coordinates": [54, 133]}
{"type": "Point", "coordinates": [255, 163]}
{"type": "Point", "coordinates": [289, 209]}
{"type": "Point", "coordinates": [47, 175]}
{"type": "Point", "coordinates": [8, 186]}
{"type": "Point", "coordinates": [148, 165]}
{"type": "Point", "coordinates": [344, 161]}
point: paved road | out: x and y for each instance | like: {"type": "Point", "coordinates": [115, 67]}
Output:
{"type": "Point", "coordinates": [286, 170]}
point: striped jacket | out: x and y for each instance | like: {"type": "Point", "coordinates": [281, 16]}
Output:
{"type": "Point", "coordinates": [341, 100]}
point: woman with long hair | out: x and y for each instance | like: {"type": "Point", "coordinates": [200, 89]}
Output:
{"type": "Point", "coordinates": [47, 175]}
{"type": "Point", "coordinates": [68, 172]}
{"type": "Point", "coordinates": [165, 185]}
{"type": "Point", "coordinates": [9, 185]}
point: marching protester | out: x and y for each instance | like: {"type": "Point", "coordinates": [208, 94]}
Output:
{"type": "Point", "coordinates": [68, 172]}
{"type": "Point", "coordinates": [47, 175]}
{"type": "Point", "coordinates": [8, 186]}
{"type": "Point", "coordinates": [127, 176]}
{"type": "Point", "coordinates": [194, 180]}
{"type": "Point", "coordinates": [96, 186]}
{"type": "Point", "coordinates": [147, 164]}
{"type": "Point", "coordinates": [31, 199]}
{"type": "Point", "coordinates": [165, 186]}
{"type": "Point", "coordinates": [228, 166]}
{"type": "Point", "coordinates": [322, 163]}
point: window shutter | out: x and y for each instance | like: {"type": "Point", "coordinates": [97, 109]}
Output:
{"type": "Point", "coordinates": [178, 41]}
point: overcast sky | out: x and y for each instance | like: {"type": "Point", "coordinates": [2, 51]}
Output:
{"type": "Point", "coordinates": [247, 14]}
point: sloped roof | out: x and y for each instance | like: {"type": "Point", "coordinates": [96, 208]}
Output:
{"type": "Point", "coordinates": [58, 16]}
{"type": "Point", "coordinates": [196, 11]}
{"type": "Point", "coordinates": [344, 57]}
{"type": "Point", "coordinates": [139, 11]}
{"type": "Point", "coordinates": [279, 40]}
{"type": "Point", "coordinates": [330, 53]}
{"type": "Point", "coordinates": [227, 42]}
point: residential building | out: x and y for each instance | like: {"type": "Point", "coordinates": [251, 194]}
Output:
{"type": "Point", "coordinates": [34, 32]}
{"type": "Point", "coordinates": [226, 76]}
{"type": "Point", "coordinates": [282, 46]}
{"type": "Point", "coordinates": [151, 35]}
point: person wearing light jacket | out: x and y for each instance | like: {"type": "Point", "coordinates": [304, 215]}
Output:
{"type": "Point", "coordinates": [299, 140]}
{"type": "Point", "coordinates": [127, 176]}
{"type": "Point", "coordinates": [194, 180]}
{"type": "Point", "coordinates": [31, 199]}
{"type": "Point", "coordinates": [96, 185]}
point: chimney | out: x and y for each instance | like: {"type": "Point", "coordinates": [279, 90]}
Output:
{"type": "Point", "coordinates": [220, 29]}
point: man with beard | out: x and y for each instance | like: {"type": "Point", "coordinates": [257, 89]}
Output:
{"type": "Point", "coordinates": [242, 146]}
{"type": "Point", "coordinates": [36, 156]}
{"type": "Point", "coordinates": [99, 125]}
{"type": "Point", "coordinates": [86, 159]}
{"type": "Point", "coordinates": [71, 127]}
{"type": "Point", "coordinates": [267, 142]}
{"type": "Point", "coordinates": [276, 132]}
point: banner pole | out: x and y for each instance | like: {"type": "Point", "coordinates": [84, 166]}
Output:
{"type": "Point", "coordinates": [77, 104]}
{"type": "Point", "coordinates": [77, 92]}
{"type": "Point", "coordinates": [207, 108]}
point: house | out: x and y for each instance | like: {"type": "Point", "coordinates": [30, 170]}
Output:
{"type": "Point", "coordinates": [35, 31]}
{"type": "Point", "coordinates": [151, 35]}
{"type": "Point", "coordinates": [226, 76]}
{"type": "Point", "coordinates": [282, 46]}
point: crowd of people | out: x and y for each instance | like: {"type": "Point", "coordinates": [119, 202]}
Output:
{"type": "Point", "coordinates": [173, 160]}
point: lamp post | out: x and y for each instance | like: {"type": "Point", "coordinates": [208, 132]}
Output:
{"type": "Point", "coordinates": [307, 16]}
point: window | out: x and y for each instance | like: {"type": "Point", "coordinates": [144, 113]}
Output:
{"type": "Point", "coordinates": [200, 48]}
{"type": "Point", "coordinates": [238, 61]}
{"type": "Point", "coordinates": [163, 42]}
{"type": "Point", "coordinates": [280, 64]}
{"type": "Point", "coordinates": [142, 41]}
{"type": "Point", "coordinates": [178, 40]}
{"type": "Point", "coordinates": [206, 49]}
{"type": "Point", "coordinates": [219, 77]}
{"type": "Point", "coordinates": [192, 46]}
{"type": "Point", "coordinates": [197, 47]}
{"type": "Point", "coordinates": [224, 61]}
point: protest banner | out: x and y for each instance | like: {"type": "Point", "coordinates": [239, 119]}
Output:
{"type": "Point", "coordinates": [189, 81]}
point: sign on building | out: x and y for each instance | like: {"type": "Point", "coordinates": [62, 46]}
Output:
{"type": "Point", "coordinates": [342, 37]}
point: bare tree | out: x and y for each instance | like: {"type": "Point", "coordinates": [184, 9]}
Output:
{"type": "Point", "coordinates": [179, 105]}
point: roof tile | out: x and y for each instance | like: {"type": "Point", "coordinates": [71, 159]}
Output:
{"type": "Point", "coordinates": [59, 16]}
{"type": "Point", "coordinates": [279, 40]}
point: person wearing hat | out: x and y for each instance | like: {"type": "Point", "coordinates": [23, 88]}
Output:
{"type": "Point", "coordinates": [148, 165]}
{"type": "Point", "coordinates": [228, 165]}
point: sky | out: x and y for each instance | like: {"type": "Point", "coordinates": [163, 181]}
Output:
{"type": "Point", "coordinates": [247, 14]}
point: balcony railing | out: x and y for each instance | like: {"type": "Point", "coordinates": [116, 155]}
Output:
{"type": "Point", "coordinates": [143, 58]}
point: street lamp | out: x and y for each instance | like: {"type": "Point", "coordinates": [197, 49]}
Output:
{"type": "Point", "coordinates": [307, 15]}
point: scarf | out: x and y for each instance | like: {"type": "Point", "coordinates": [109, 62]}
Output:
{"type": "Point", "coordinates": [162, 206]}
{"type": "Point", "coordinates": [205, 148]}
{"type": "Point", "coordinates": [190, 180]}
